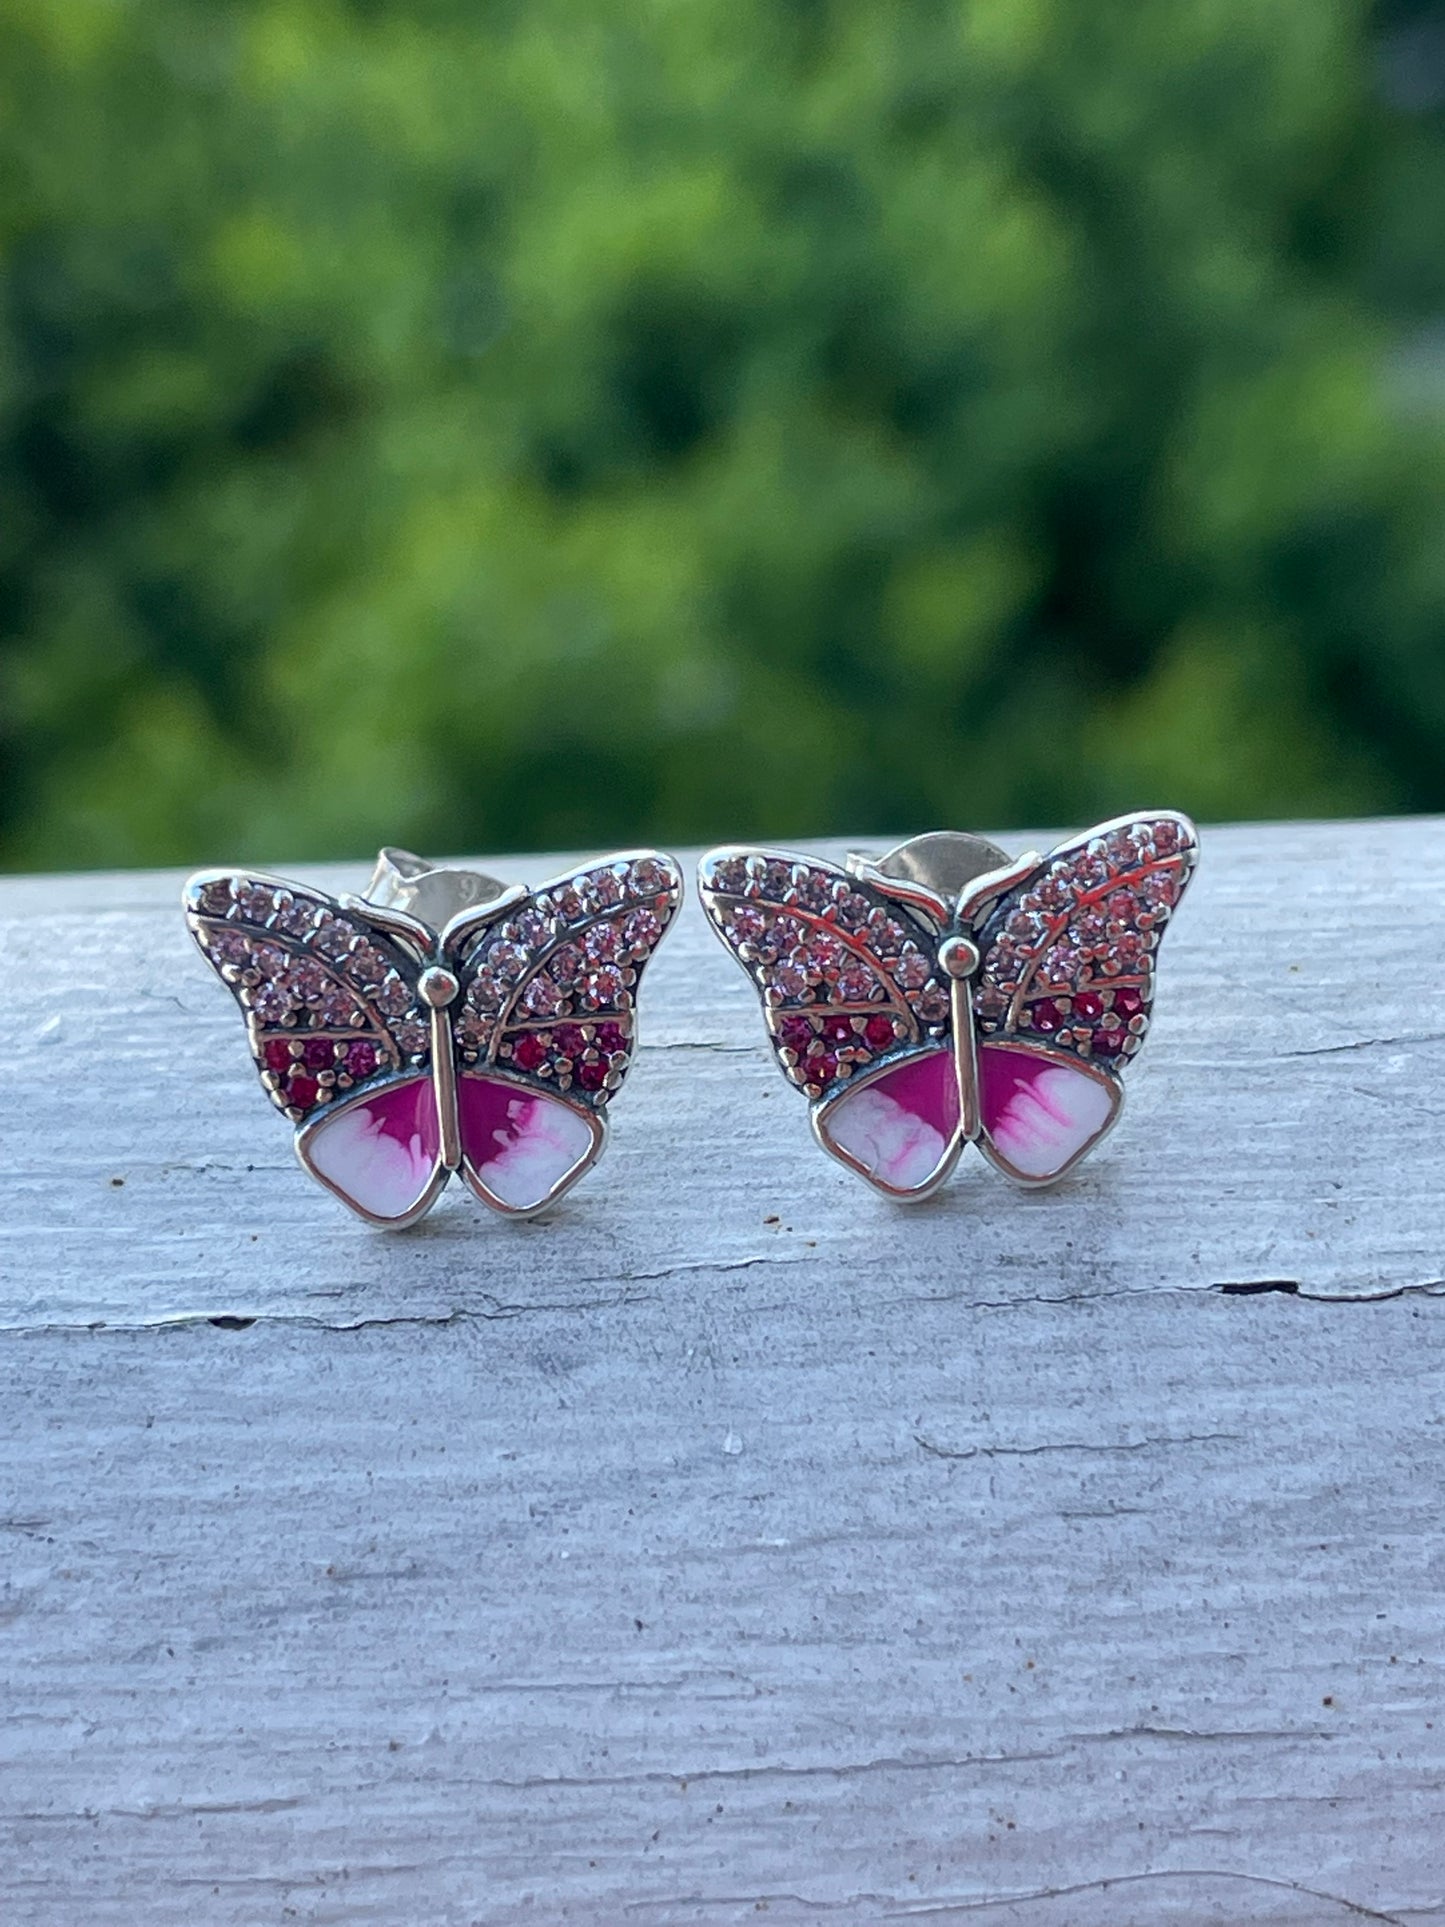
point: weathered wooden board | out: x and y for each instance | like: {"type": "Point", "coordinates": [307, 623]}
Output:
{"type": "Point", "coordinates": [732, 1544]}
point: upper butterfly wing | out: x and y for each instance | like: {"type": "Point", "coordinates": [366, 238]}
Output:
{"type": "Point", "coordinates": [337, 1031]}
{"type": "Point", "coordinates": [856, 1008]}
{"type": "Point", "coordinates": [546, 1028]}
{"type": "Point", "coordinates": [1065, 988]}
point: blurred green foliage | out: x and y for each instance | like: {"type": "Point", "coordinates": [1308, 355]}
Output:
{"type": "Point", "coordinates": [513, 423]}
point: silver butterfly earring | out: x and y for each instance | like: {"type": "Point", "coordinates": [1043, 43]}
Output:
{"type": "Point", "coordinates": [442, 1022]}
{"type": "Point", "coordinates": [948, 994]}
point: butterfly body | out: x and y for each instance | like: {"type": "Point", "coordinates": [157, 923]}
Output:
{"type": "Point", "coordinates": [488, 1046]}
{"type": "Point", "coordinates": [948, 995]}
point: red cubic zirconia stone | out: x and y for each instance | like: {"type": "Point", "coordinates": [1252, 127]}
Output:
{"type": "Point", "coordinates": [795, 1033]}
{"type": "Point", "coordinates": [529, 1052]}
{"type": "Point", "coordinates": [878, 1033]}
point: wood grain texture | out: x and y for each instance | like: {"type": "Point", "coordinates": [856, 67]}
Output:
{"type": "Point", "coordinates": [731, 1544]}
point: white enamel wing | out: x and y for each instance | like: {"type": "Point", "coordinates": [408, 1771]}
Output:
{"type": "Point", "coordinates": [1001, 1013]}
{"type": "Point", "coordinates": [491, 1046]}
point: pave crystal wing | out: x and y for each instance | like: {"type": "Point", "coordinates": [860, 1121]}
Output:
{"type": "Point", "coordinates": [338, 1034]}
{"type": "Point", "coordinates": [546, 1027]}
{"type": "Point", "coordinates": [1065, 986]}
{"type": "Point", "coordinates": [857, 1010]}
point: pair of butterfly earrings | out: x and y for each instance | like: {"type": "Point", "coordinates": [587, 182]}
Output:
{"type": "Point", "coordinates": [942, 995]}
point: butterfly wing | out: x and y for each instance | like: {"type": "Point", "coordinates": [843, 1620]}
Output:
{"type": "Point", "coordinates": [857, 1011]}
{"type": "Point", "coordinates": [1065, 988]}
{"type": "Point", "coordinates": [546, 1028]}
{"type": "Point", "coordinates": [338, 1034]}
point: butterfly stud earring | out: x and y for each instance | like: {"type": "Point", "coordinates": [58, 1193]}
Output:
{"type": "Point", "coordinates": [946, 994]}
{"type": "Point", "coordinates": [442, 1022]}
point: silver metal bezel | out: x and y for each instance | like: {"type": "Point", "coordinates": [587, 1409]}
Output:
{"type": "Point", "coordinates": [465, 902]}
{"type": "Point", "coordinates": [950, 881]}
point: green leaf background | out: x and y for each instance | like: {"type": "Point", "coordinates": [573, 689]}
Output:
{"type": "Point", "coordinates": [487, 424]}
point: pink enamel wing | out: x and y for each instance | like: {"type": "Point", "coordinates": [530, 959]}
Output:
{"type": "Point", "coordinates": [442, 1022]}
{"type": "Point", "coordinates": [947, 994]}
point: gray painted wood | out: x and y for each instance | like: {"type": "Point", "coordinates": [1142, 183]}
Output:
{"type": "Point", "coordinates": [733, 1545]}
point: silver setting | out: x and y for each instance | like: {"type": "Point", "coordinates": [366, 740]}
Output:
{"type": "Point", "coordinates": [1003, 934]}
{"type": "Point", "coordinates": [430, 921]}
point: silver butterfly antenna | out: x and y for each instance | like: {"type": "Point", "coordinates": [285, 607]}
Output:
{"type": "Point", "coordinates": [939, 873]}
{"type": "Point", "coordinates": [422, 903]}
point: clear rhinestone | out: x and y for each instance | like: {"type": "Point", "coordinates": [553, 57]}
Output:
{"type": "Point", "coordinates": [255, 902]}
{"type": "Point", "coordinates": [565, 963]}
{"type": "Point", "coordinates": [649, 878]}
{"type": "Point", "coordinates": [333, 938]}
{"type": "Point", "coordinates": [229, 946]}
{"type": "Point", "coordinates": [886, 935]}
{"type": "Point", "coordinates": [542, 998]}
{"type": "Point", "coordinates": [857, 983]}
{"type": "Point", "coordinates": [602, 986]}
{"type": "Point", "coordinates": [306, 980]}
{"type": "Point", "coordinates": [532, 927]}
{"type": "Point", "coordinates": [792, 980]}
{"type": "Point", "coordinates": [212, 899]}
{"type": "Point", "coordinates": [932, 1003]}
{"type": "Point", "coordinates": [602, 942]}
{"type": "Point", "coordinates": [485, 992]}
{"type": "Point", "coordinates": [472, 1030]}
{"type": "Point", "coordinates": [297, 917]}
{"type": "Point", "coordinates": [507, 960]}
{"type": "Point", "coordinates": [1061, 964]}
{"type": "Point", "coordinates": [412, 1036]}
{"type": "Point", "coordinates": [642, 930]}
{"type": "Point", "coordinates": [367, 964]}
{"type": "Point", "coordinates": [336, 1006]}
{"type": "Point", "coordinates": [271, 1002]}
{"type": "Point", "coordinates": [786, 935]}
{"type": "Point", "coordinates": [747, 923]}
{"type": "Point", "coordinates": [393, 997]}
{"type": "Point", "coordinates": [823, 953]}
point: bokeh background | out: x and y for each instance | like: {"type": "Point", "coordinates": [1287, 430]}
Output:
{"type": "Point", "coordinates": [492, 424]}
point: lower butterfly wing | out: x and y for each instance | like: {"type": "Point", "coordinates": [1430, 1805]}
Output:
{"type": "Point", "coordinates": [338, 1033]}
{"type": "Point", "coordinates": [1065, 988]}
{"type": "Point", "coordinates": [897, 1125]}
{"type": "Point", "coordinates": [379, 1150]}
{"type": "Point", "coordinates": [1042, 1110]}
{"type": "Point", "coordinates": [523, 1147]}
{"type": "Point", "coordinates": [857, 1011]}
{"type": "Point", "coordinates": [546, 1027]}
